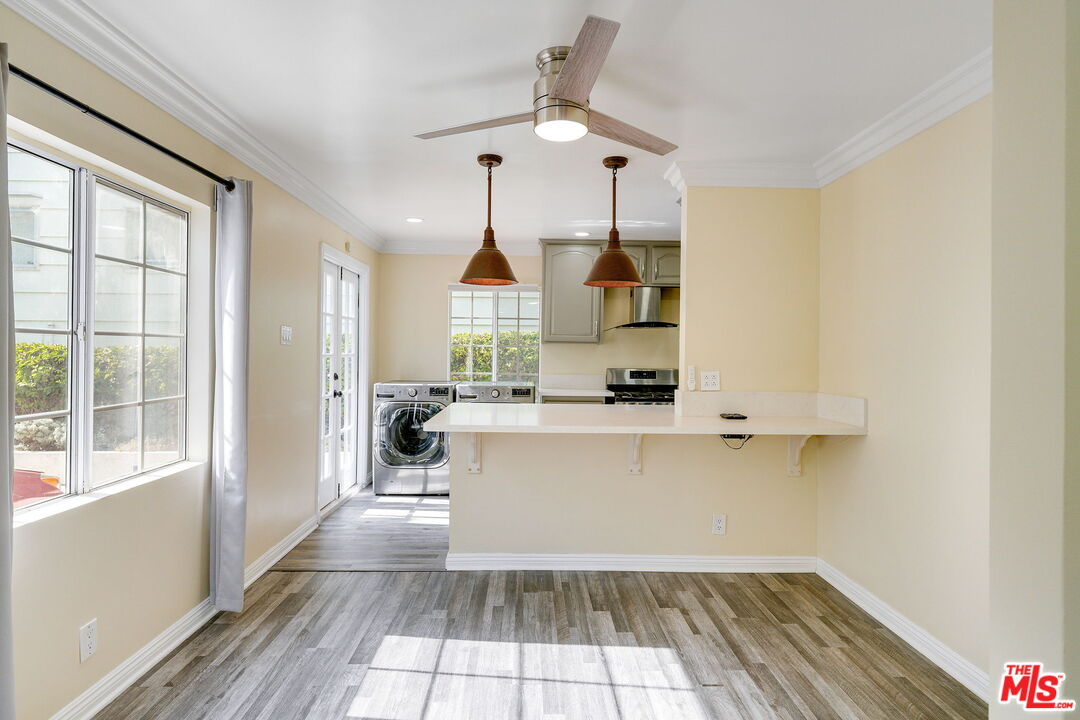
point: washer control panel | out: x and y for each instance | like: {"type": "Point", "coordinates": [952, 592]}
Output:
{"type": "Point", "coordinates": [495, 392]}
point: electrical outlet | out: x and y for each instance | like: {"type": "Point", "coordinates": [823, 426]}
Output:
{"type": "Point", "coordinates": [286, 335]}
{"type": "Point", "coordinates": [87, 640]}
{"type": "Point", "coordinates": [710, 379]}
{"type": "Point", "coordinates": [691, 377]}
{"type": "Point", "coordinates": [719, 524]}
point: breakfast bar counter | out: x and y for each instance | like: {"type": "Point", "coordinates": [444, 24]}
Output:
{"type": "Point", "coordinates": [620, 419]}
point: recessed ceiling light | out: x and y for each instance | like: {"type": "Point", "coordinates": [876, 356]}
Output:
{"type": "Point", "coordinates": [414, 220]}
{"type": "Point", "coordinates": [581, 234]}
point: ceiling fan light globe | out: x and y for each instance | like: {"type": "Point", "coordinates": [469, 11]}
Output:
{"type": "Point", "coordinates": [561, 130]}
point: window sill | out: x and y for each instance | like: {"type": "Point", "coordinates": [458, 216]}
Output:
{"type": "Point", "coordinates": [51, 508]}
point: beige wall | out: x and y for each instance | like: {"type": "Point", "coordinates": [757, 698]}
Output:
{"type": "Point", "coordinates": [905, 322]}
{"type": "Point", "coordinates": [573, 494]}
{"type": "Point", "coordinates": [412, 323]}
{"type": "Point", "coordinates": [1035, 374]}
{"type": "Point", "coordinates": [137, 560]}
{"type": "Point", "coordinates": [750, 286]}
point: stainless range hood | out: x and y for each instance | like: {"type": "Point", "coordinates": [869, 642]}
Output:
{"type": "Point", "coordinates": [645, 309]}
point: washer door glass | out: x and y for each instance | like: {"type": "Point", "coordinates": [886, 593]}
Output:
{"type": "Point", "coordinates": [401, 440]}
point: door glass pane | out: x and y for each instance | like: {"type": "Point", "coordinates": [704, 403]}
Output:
{"type": "Point", "coordinates": [162, 365]}
{"type": "Point", "coordinates": [116, 444]}
{"type": "Point", "coordinates": [166, 238]}
{"type": "Point", "coordinates": [40, 460]}
{"type": "Point", "coordinates": [41, 290]}
{"type": "Point", "coordinates": [117, 297]}
{"type": "Point", "coordinates": [164, 303]}
{"type": "Point", "coordinates": [116, 369]}
{"type": "Point", "coordinates": [118, 224]}
{"type": "Point", "coordinates": [161, 429]}
{"type": "Point", "coordinates": [41, 373]}
{"type": "Point", "coordinates": [39, 192]}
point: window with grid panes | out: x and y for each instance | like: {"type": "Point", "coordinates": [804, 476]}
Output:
{"type": "Point", "coordinates": [100, 316]}
{"type": "Point", "coordinates": [494, 335]}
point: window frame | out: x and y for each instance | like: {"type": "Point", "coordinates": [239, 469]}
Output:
{"type": "Point", "coordinates": [495, 291]}
{"type": "Point", "coordinates": [80, 332]}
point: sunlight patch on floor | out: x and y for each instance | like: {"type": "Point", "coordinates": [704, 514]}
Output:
{"type": "Point", "coordinates": [421, 678]}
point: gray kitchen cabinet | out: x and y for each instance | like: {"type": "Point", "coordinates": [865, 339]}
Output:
{"type": "Point", "coordinates": [640, 253]}
{"type": "Point", "coordinates": [573, 312]}
{"type": "Point", "coordinates": [663, 265]}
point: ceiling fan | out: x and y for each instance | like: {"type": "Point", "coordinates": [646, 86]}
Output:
{"type": "Point", "coordinates": [561, 111]}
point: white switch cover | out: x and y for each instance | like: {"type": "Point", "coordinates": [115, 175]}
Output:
{"type": "Point", "coordinates": [87, 640]}
{"type": "Point", "coordinates": [286, 335]}
{"type": "Point", "coordinates": [710, 379]}
{"type": "Point", "coordinates": [691, 377]}
{"type": "Point", "coordinates": [719, 524]}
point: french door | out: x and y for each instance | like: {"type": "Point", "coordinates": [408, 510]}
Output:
{"type": "Point", "coordinates": [342, 426]}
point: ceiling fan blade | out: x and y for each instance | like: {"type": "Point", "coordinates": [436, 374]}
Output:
{"type": "Point", "coordinates": [482, 125]}
{"type": "Point", "coordinates": [609, 127]}
{"type": "Point", "coordinates": [582, 65]}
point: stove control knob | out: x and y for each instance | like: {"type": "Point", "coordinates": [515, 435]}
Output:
{"type": "Point", "coordinates": [412, 392]}
{"type": "Point", "coordinates": [495, 392]}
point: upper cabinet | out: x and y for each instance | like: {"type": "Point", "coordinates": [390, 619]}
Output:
{"type": "Point", "coordinates": [663, 265]}
{"type": "Point", "coordinates": [573, 312]}
{"type": "Point", "coordinates": [640, 253]}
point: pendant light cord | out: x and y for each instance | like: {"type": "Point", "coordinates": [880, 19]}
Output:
{"type": "Point", "coordinates": [614, 170]}
{"type": "Point", "coordinates": [489, 198]}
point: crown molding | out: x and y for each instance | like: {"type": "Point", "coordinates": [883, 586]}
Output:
{"type": "Point", "coordinates": [458, 247]}
{"type": "Point", "coordinates": [689, 173]}
{"type": "Point", "coordinates": [80, 28]}
{"type": "Point", "coordinates": [970, 82]}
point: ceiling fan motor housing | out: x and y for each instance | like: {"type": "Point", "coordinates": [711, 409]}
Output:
{"type": "Point", "coordinates": [546, 108]}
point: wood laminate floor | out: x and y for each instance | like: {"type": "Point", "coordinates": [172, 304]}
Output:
{"type": "Point", "coordinates": [569, 645]}
{"type": "Point", "coordinates": [369, 532]}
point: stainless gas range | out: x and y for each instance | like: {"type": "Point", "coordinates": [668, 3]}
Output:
{"type": "Point", "coordinates": [642, 386]}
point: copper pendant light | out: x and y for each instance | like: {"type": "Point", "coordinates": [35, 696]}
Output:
{"type": "Point", "coordinates": [488, 265]}
{"type": "Point", "coordinates": [614, 268]}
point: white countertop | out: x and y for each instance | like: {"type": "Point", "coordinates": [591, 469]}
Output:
{"type": "Point", "coordinates": [618, 419]}
{"type": "Point", "coordinates": [574, 392]}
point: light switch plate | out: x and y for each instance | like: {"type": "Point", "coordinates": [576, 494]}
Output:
{"type": "Point", "coordinates": [710, 379]}
{"type": "Point", "coordinates": [691, 377]}
{"type": "Point", "coordinates": [286, 335]}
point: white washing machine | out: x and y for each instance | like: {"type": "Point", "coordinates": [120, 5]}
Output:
{"type": "Point", "coordinates": [406, 459]}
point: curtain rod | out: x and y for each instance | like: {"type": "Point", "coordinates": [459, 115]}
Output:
{"type": "Point", "coordinates": [115, 124]}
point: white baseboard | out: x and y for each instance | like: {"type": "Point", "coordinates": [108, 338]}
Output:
{"type": "Point", "coordinates": [966, 673]}
{"type": "Point", "coordinates": [257, 569]}
{"type": "Point", "coordinates": [641, 563]}
{"type": "Point", "coordinates": [120, 678]}
{"type": "Point", "coordinates": [126, 673]}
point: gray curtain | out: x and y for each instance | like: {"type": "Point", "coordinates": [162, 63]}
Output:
{"type": "Point", "coordinates": [7, 414]}
{"type": "Point", "coordinates": [228, 515]}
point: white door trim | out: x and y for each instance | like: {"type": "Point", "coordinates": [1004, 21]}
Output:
{"type": "Point", "coordinates": [329, 253]}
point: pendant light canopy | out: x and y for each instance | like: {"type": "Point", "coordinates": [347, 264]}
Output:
{"type": "Point", "coordinates": [614, 268]}
{"type": "Point", "coordinates": [488, 265]}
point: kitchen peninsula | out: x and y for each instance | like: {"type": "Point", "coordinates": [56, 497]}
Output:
{"type": "Point", "coordinates": [593, 468]}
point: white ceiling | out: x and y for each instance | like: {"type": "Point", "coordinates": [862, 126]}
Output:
{"type": "Point", "coordinates": [337, 88]}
